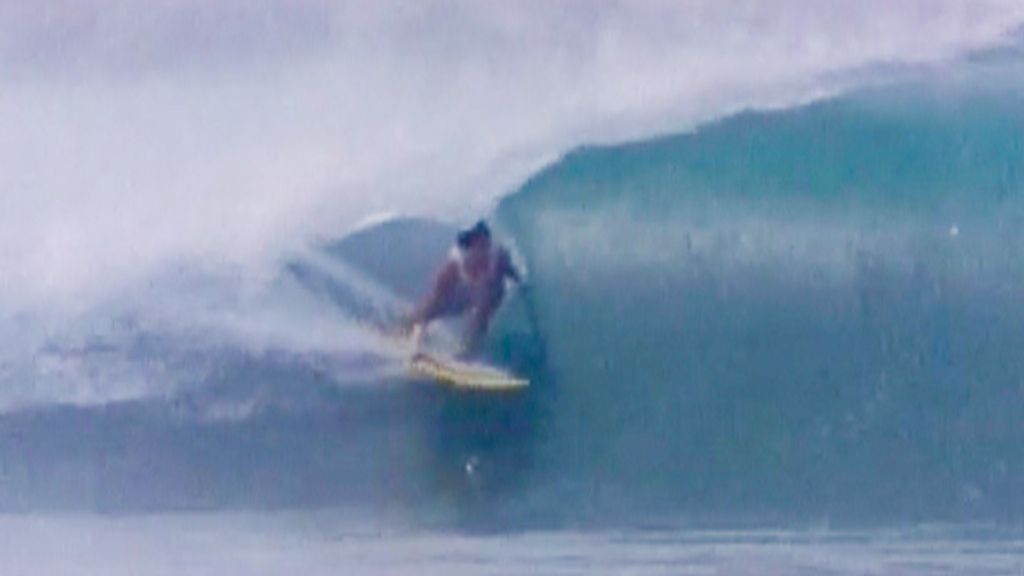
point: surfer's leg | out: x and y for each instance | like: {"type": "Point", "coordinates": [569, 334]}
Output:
{"type": "Point", "coordinates": [439, 302]}
{"type": "Point", "coordinates": [474, 336]}
{"type": "Point", "coordinates": [453, 303]}
{"type": "Point", "coordinates": [436, 307]}
{"type": "Point", "coordinates": [480, 319]}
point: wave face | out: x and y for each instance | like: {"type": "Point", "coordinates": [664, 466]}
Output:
{"type": "Point", "coordinates": [811, 312]}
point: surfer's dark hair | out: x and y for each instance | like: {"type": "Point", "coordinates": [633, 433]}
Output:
{"type": "Point", "coordinates": [470, 236]}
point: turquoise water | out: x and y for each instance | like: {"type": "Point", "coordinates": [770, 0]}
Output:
{"type": "Point", "coordinates": [775, 253]}
{"type": "Point", "coordinates": [786, 342]}
{"type": "Point", "coordinates": [797, 313]}
{"type": "Point", "coordinates": [796, 317]}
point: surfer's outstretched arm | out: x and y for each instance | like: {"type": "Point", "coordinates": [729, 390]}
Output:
{"type": "Point", "coordinates": [435, 303]}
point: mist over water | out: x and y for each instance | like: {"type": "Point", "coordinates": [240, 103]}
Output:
{"type": "Point", "coordinates": [141, 135]}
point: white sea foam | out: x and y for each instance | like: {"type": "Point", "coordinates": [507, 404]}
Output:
{"type": "Point", "coordinates": [139, 133]}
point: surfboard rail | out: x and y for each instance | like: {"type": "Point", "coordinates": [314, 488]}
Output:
{"type": "Point", "coordinates": [464, 375]}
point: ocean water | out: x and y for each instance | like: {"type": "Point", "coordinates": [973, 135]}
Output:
{"type": "Point", "coordinates": [316, 544]}
{"type": "Point", "coordinates": [776, 268]}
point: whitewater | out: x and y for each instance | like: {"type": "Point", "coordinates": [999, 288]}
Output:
{"type": "Point", "coordinates": [774, 249]}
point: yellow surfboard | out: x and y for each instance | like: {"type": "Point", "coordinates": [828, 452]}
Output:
{"type": "Point", "coordinates": [464, 375]}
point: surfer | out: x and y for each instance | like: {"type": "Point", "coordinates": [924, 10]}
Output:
{"type": "Point", "coordinates": [471, 280]}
